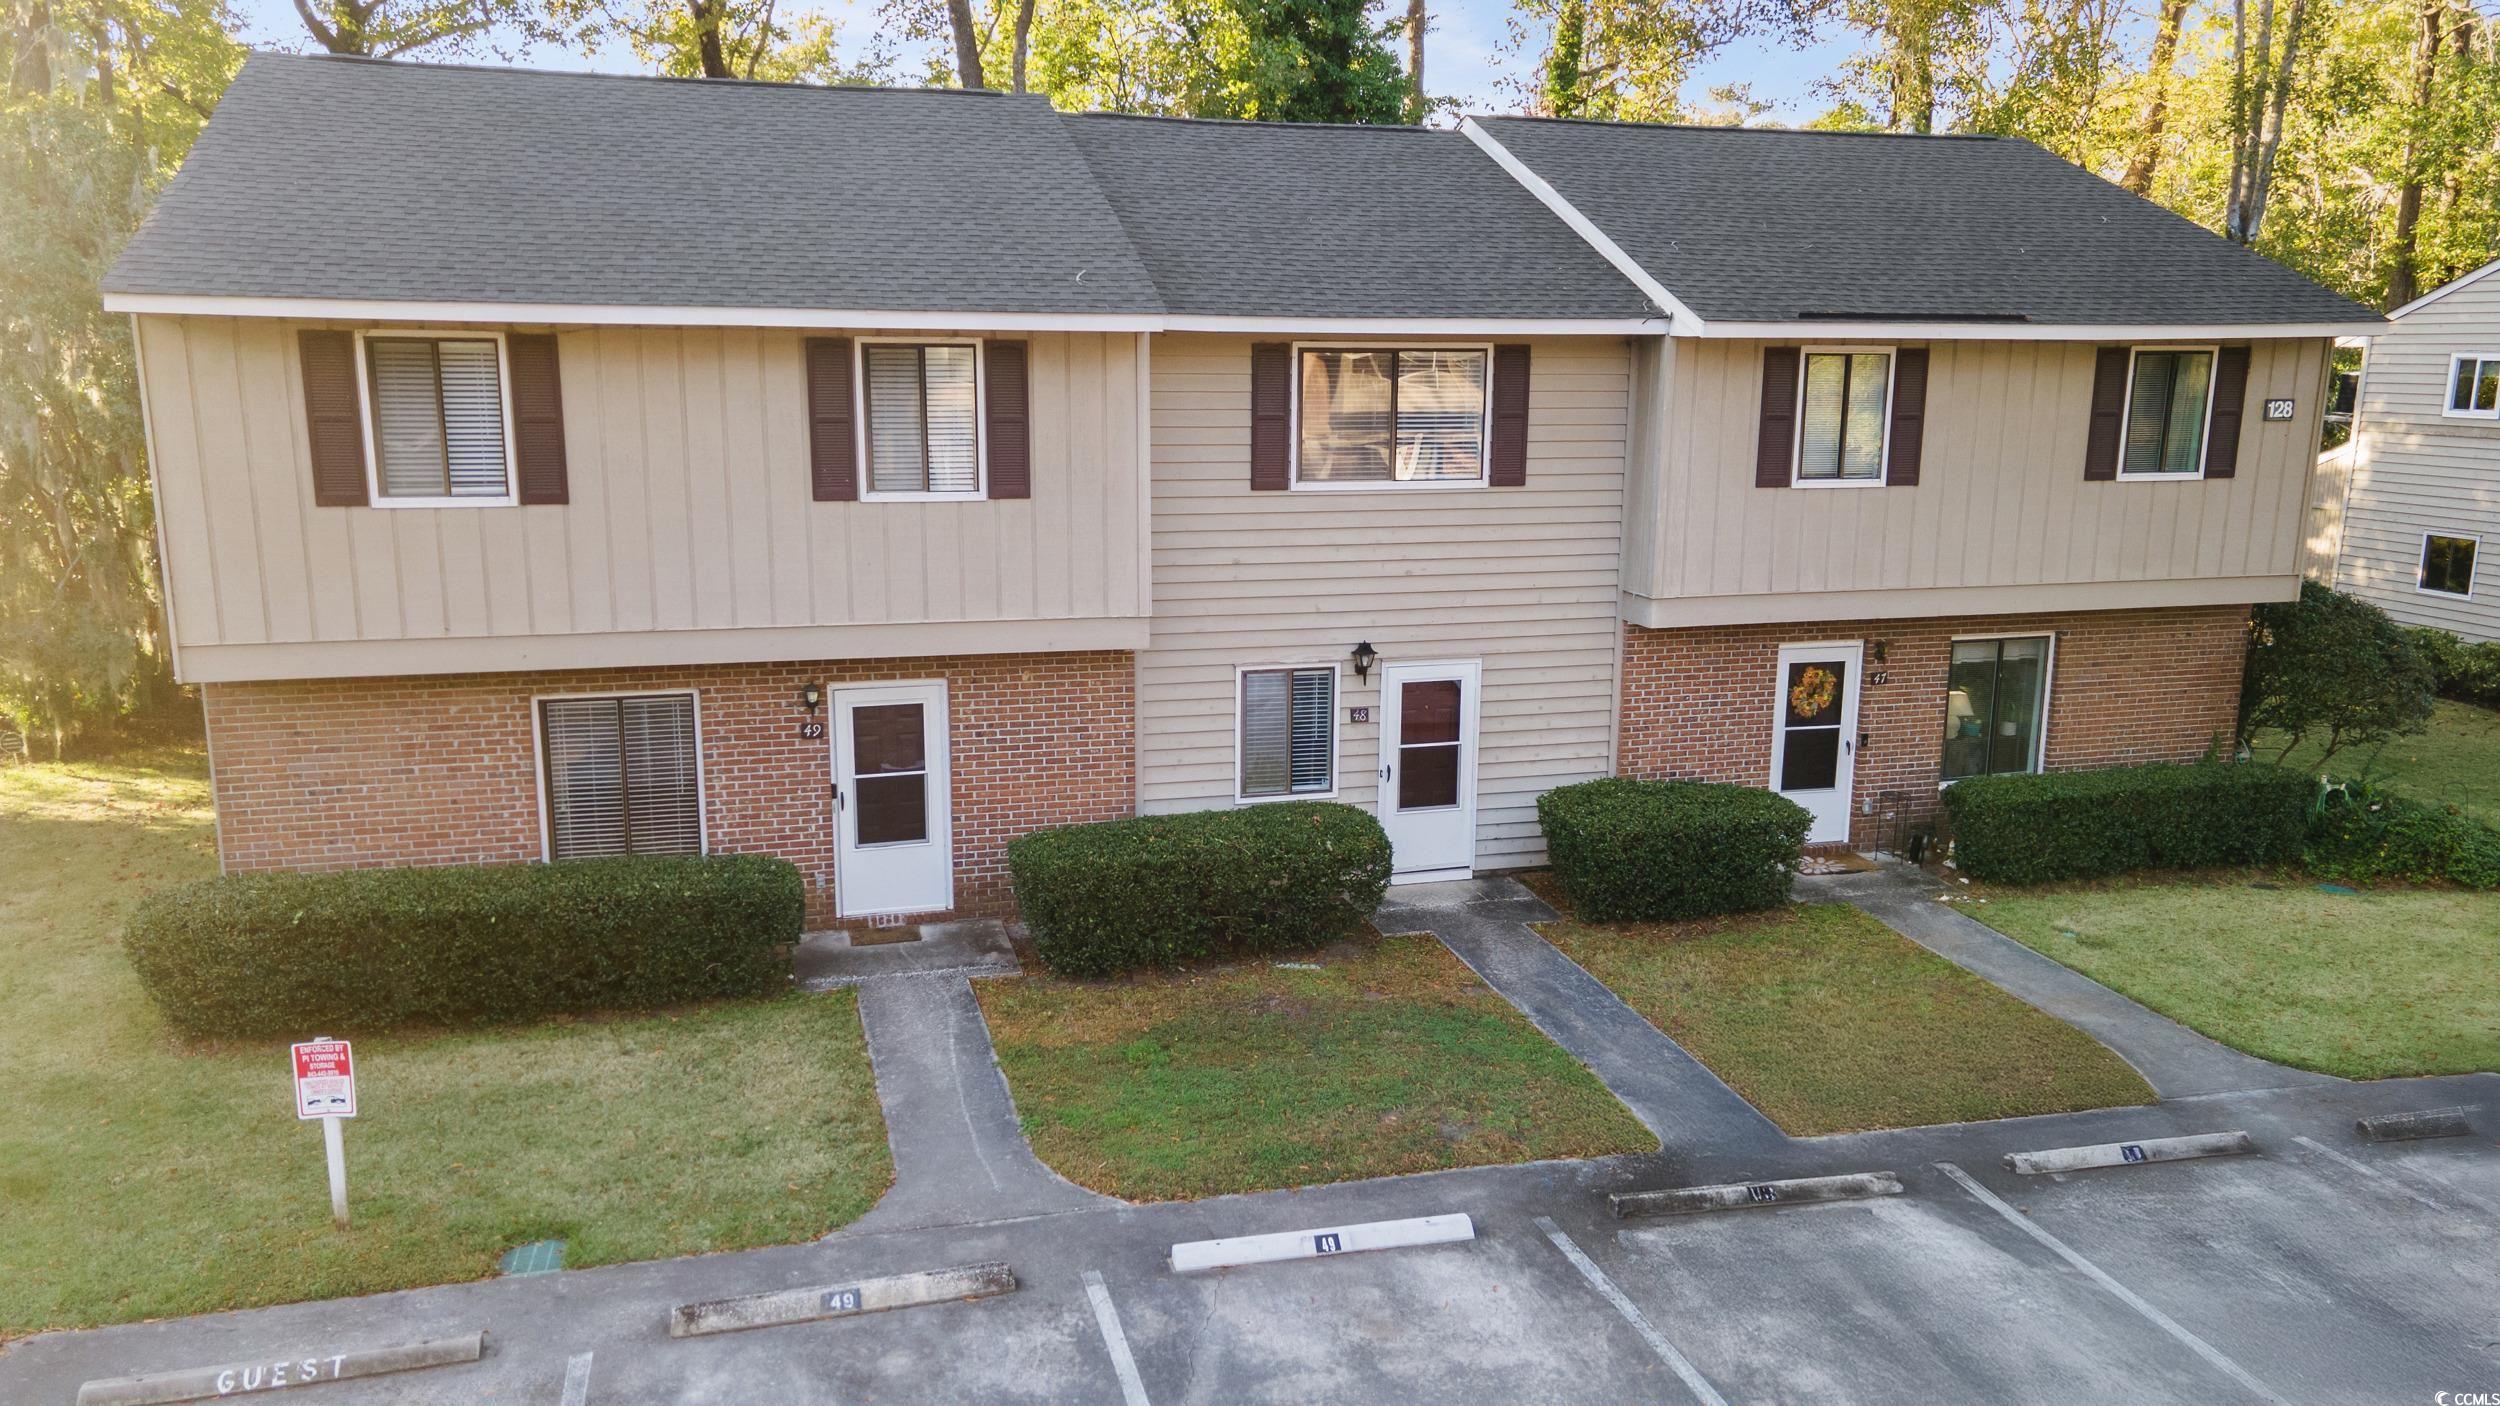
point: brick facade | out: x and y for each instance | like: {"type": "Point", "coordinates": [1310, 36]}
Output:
{"type": "Point", "coordinates": [2128, 686]}
{"type": "Point", "coordinates": [346, 773]}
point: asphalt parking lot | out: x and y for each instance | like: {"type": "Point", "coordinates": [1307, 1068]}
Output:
{"type": "Point", "coordinates": [2320, 1270]}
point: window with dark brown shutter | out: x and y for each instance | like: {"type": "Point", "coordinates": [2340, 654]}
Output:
{"type": "Point", "coordinates": [1009, 400]}
{"type": "Point", "coordinates": [832, 450]}
{"type": "Point", "coordinates": [1510, 417]}
{"type": "Point", "coordinates": [1271, 417]}
{"type": "Point", "coordinates": [1775, 449]}
{"type": "Point", "coordinates": [333, 417]}
{"type": "Point", "coordinates": [1909, 417]}
{"type": "Point", "coordinates": [2109, 413]}
{"type": "Point", "coordinates": [537, 416]}
{"type": "Point", "coordinates": [2222, 447]}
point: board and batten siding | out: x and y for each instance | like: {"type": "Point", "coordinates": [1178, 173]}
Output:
{"type": "Point", "coordinates": [1523, 579]}
{"type": "Point", "coordinates": [2415, 471]}
{"type": "Point", "coordinates": [2001, 518]}
{"type": "Point", "coordinates": [690, 537]}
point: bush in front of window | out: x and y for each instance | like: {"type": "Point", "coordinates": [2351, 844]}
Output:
{"type": "Point", "coordinates": [1160, 890]}
{"type": "Point", "coordinates": [1658, 851]}
{"type": "Point", "coordinates": [2469, 673]}
{"type": "Point", "coordinates": [2334, 668]}
{"type": "Point", "coordinates": [2366, 836]}
{"type": "Point", "coordinates": [368, 949]}
{"type": "Point", "coordinates": [2030, 829]}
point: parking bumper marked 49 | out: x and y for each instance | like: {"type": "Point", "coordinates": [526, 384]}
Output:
{"type": "Point", "coordinates": [1190, 1256]}
{"type": "Point", "coordinates": [1107, 1319]}
{"type": "Point", "coordinates": [2125, 1295]}
{"type": "Point", "coordinates": [1676, 1361]}
{"type": "Point", "coordinates": [2130, 1154]}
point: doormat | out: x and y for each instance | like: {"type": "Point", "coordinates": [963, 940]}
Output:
{"type": "Point", "coordinates": [885, 928]}
{"type": "Point", "coordinates": [1837, 861]}
{"type": "Point", "coordinates": [536, 1257]}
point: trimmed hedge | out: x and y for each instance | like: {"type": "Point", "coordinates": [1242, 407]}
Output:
{"type": "Point", "coordinates": [2469, 673]}
{"type": "Point", "coordinates": [2029, 829]}
{"type": "Point", "coordinates": [1159, 890]}
{"type": "Point", "coordinates": [2365, 837]}
{"type": "Point", "coordinates": [299, 954]}
{"type": "Point", "coordinates": [1657, 851]}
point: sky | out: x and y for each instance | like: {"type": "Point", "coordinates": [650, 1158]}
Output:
{"type": "Point", "coordinates": [1463, 56]}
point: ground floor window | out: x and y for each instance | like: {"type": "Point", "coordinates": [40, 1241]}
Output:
{"type": "Point", "coordinates": [623, 776]}
{"type": "Point", "coordinates": [1995, 695]}
{"type": "Point", "coordinates": [2447, 565]}
{"type": "Point", "coordinates": [1288, 732]}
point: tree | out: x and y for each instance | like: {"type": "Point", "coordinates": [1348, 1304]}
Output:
{"type": "Point", "coordinates": [2261, 84]}
{"type": "Point", "coordinates": [2331, 665]}
{"type": "Point", "coordinates": [1418, 20]}
{"type": "Point", "coordinates": [1621, 59]}
{"type": "Point", "coordinates": [1564, 62]}
{"type": "Point", "coordinates": [711, 38]}
{"type": "Point", "coordinates": [2139, 175]}
{"type": "Point", "coordinates": [391, 29]}
{"type": "Point", "coordinates": [1319, 61]}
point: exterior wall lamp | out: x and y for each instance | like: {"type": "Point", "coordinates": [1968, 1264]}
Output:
{"type": "Point", "coordinates": [811, 697]}
{"type": "Point", "coordinates": [1364, 657]}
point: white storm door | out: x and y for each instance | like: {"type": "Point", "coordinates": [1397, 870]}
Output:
{"type": "Point", "coordinates": [894, 846]}
{"type": "Point", "coordinates": [1814, 744]}
{"type": "Point", "coordinates": [1428, 769]}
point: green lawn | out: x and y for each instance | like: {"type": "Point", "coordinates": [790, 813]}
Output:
{"type": "Point", "coordinates": [139, 1178]}
{"type": "Point", "coordinates": [1390, 1058]}
{"type": "Point", "coordinates": [2456, 761]}
{"type": "Point", "coordinates": [1830, 1022]}
{"type": "Point", "coordinates": [2366, 985]}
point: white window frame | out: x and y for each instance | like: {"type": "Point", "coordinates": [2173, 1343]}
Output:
{"type": "Point", "coordinates": [1797, 449]}
{"type": "Point", "coordinates": [1336, 729]}
{"type": "Point", "coordinates": [1484, 430]}
{"type": "Point", "coordinates": [374, 495]}
{"type": "Point", "coordinates": [2205, 437]}
{"type": "Point", "coordinates": [2421, 564]}
{"type": "Point", "coordinates": [980, 419]}
{"type": "Point", "coordinates": [538, 761]}
{"type": "Point", "coordinates": [2448, 392]}
{"type": "Point", "coordinates": [2048, 695]}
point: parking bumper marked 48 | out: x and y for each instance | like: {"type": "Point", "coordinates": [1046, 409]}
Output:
{"type": "Point", "coordinates": [1107, 1319]}
{"type": "Point", "coordinates": [2125, 1295]}
{"type": "Point", "coordinates": [1676, 1361]}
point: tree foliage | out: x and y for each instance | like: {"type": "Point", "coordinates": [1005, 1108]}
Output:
{"type": "Point", "coordinates": [2333, 666]}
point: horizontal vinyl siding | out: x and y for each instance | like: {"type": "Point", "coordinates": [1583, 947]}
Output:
{"type": "Point", "coordinates": [2001, 498]}
{"type": "Point", "coordinates": [690, 506]}
{"type": "Point", "coordinates": [1523, 579]}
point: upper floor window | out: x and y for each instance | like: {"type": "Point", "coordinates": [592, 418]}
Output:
{"type": "Point", "coordinates": [922, 404]}
{"type": "Point", "coordinates": [1387, 416]}
{"type": "Point", "coordinates": [2474, 386]}
{"type": "Point", "coordinates": [1288, 732]}
{"type": "Point", "coordinates": [1843, 397]}
{"type": "Point", "coordinates": [623, 775]}
{"type": "Point", "coordinates": [1995, 695]}
{"type": "Point", "coordinates": [2169, 400]}
{"type": "Point", "coordinates": [2447, 565]}
{"type": "Point", "coordinates": [437, 419]}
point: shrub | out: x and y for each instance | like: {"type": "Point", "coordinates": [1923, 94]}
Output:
{"type": "Point", "coordinates": [2364, 836]}
{"type": "Point", "coordinates": [2332, 666]}
{"type": "Point", "coordinates": [299, 954]}
{"type": "Point", "coordinates": [2469, 673]}
{"type": "Point", "coordinates": [1159, 890]}
{"type": "Point", "coordinates": [2029, 829]}
{"type": "Point", "coordinates": [1656, 851]}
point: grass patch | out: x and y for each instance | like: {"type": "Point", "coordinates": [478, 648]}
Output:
{"type": "Point", "coordinates": [2456, 762]}
{"type": "Point", "coordinates": [1830, 1022]}
{"type": "Point", "coordinates": [2371, 985]}
{"type": "Point", "coordinates": [141, 1178]}
{"type": "Point", "coordinates": [1390, 1058]}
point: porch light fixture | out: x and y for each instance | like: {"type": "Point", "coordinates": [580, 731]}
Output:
{"type": "Point", "coordinates": [1364, 657]}
{"type": "Point", "coordinates": [811, 697]}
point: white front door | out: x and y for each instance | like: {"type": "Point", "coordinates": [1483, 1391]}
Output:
{"type": "Point", "coordinates": [1428, 769]}
{"type": "Point", "coordinates": [1814, 744]}
{"type": "Point", "coordinates": [894, 848]}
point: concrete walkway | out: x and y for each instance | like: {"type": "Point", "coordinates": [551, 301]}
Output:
{"type": "Point", "coordinates": [1485, 921]}
{"type": "Point", "coordinates": [2176, 1061]}
{"type": "Point", "coordinates": [974, 947]}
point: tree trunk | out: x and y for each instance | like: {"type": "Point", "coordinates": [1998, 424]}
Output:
{"type": "Point", "coordinates": [2239, 119]}
{"type": "Point", "coordinates": [2139, 177]}
{"type": "Point", "coordinates": [2404, 276]}
{"type": "Point", "coordinates": [2261, 176]}
{"type": "Point", "coordinates": [1024, 39]}
{"type": "Point", "coordinates": [1913, 82]}
{"type": "Point", "coordinates": [1417, 20]}
{"type": "Point", "coordinates": [713, 59]}
{"type": "Point", "coordinates": [967, 44]}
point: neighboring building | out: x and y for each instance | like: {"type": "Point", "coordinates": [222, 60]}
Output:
{"type": "Point", "coordinates": [2420, 520]}
{"type": "Point", "coordinates": [557, 465]}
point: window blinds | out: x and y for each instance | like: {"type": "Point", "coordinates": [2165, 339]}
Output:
{"type": "Point", "coordinates": [622, 776]}
{"type": "Point", "coordinates": [1287, 731]}
{"type": "Point", "coordinates": [437, 416]}
{"type": "Point", "coordinates": [923, 432]}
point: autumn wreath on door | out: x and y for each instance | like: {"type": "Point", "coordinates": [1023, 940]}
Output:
{"type": "Point", "coordinates": [1815, 690]}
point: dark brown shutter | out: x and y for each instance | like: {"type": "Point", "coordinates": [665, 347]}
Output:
{"type": "Point", "coordinates": [1010, 412]}
{"type": "Point", "coordinates": [1271, 416]}
{"type": "Point", "coordinates": [2222, 450]}
{"type": "Point", "coordinates": [537, 416]}
{"type": "Point", "coordinates": [1774, 459]}
{"type": "Point", "coordinates": [2109, 407]}
{"type": "Point", "coordinates": [1510, 417]}
{"type": "Point", "coordinates": [832, 451]}
{"type": "Point", "coordinates": [331, 414]}
{"type": "Point", "coordinates": [1909, 417]}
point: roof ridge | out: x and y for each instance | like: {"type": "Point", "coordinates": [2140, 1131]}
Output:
{"type": "Point", "coordinates": [1263, 123]}
{"type": "Point", "coordinates": [1758, 131]}
{"type": "Point", "coordinates": [517, 71]}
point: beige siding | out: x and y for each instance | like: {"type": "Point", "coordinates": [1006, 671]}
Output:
{"type": "Point", "coordinates": [1523, 579]}
{"type": "Point", "coordinates": [2415, 471]}
{"type": "Point", "coordinates": [690, 535]}
{"type": "Point", "coordinates": [2001, 508]}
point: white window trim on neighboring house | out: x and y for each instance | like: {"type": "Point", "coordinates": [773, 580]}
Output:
{"type": "Point", "coordinates": [2422, 561]}
{"type": "Point", "coordinates": [1484, 430]}
{"type": "Point", "coordinates": [374, 495]}
{"type": "Point", "coordinates": [2048, 695]}
{"type": "Point", "coordinates": [2448, 390]}
{"type": "Point", "coordinates": [1336, 730]}
{"type": "Point", "coordinates": [538, 760]}
{"type": "Point", "coordinates": [980, 420]}
{"type": "Point", "coordinates": [2205, 436]}
{"type": "Point", "coordinates": [1883, 461]}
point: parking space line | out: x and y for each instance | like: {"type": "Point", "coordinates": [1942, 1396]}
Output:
{"type": "Point", "coordinates": [577, 1380]}
{"type": "Point", "coordinates": [2124, 1294]}
{"type": "Point", "coordinates": [2391, 1180]}
{"type": "Point", "coordinates": [1107, 1318]}
{"type": "Point", "coordinates": [1698, 1384]}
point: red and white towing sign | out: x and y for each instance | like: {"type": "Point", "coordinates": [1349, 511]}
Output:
{"type": "Point", "coordinates": [325, 1080]}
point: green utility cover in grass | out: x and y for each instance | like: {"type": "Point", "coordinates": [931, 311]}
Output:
{"type": "Point", "coordinates": [536, 1257]}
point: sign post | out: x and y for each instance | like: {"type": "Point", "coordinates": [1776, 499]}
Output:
{"type": "Point", "coordinates": [325, 1088]}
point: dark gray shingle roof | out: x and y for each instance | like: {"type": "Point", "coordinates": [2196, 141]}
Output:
{"type": "Point", "coordinates": [345, 178]}
{"type": "Point", "coordinates": [1755, 225]}
{"type": "Point", "coordinates": [1293, 220]}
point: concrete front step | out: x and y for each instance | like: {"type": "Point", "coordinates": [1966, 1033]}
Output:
{"type": "Point", "coordinates": [973, 947]}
